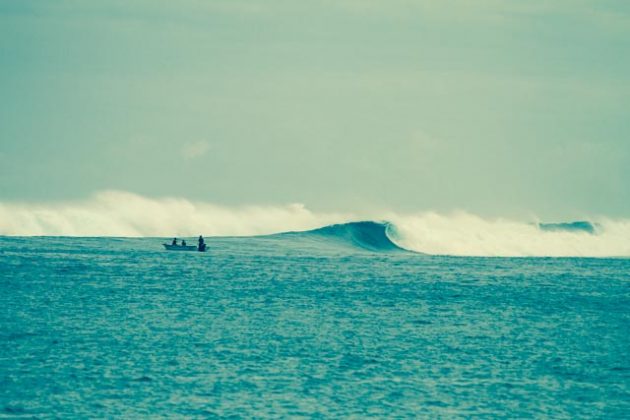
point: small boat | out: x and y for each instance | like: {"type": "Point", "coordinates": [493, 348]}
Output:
{"type": "Point", "coordinates": [171, 247]}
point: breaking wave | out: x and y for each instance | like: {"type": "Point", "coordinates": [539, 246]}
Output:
{"type": "Point", "coordinates": [123, 214]}
{"type": "Point", "coordinates": [366, 235]}
{"type": "Point", "coordinates": [470, 235]}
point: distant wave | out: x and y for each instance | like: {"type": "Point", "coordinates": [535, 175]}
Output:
{"type": "Point", "coordinates": [119, 213]}
{"type": "Point", "coordinates": [367, 235]}
{"type": "Point", "coordinates": [579, 226]}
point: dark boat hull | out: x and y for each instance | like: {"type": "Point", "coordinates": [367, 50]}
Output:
{"type": "Point", "coordinates": [182, 248]}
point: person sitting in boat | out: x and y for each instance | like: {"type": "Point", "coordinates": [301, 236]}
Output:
{"type": "Point", "coordinates": [174, 242]}
{"type": "Point", "coordinates": [183, 242]}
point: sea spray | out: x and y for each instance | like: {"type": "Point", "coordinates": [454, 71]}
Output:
{"type": "Point", "coordinates": [124, 214]}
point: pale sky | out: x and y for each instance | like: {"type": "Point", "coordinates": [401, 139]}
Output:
{"type": "Point", "coordinates": [494, 107]}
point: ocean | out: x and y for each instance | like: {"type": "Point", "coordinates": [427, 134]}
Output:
{"type": "Point", "coordinates": [336, 322]}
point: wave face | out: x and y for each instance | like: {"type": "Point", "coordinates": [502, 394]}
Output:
{"type": "Point", "coordinates": [366, 235]}
{"type": "Point", "coordinates": [123, 214]}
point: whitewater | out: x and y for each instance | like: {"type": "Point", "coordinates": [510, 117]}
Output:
{"type": "Point", "coordinates": [124, 214]}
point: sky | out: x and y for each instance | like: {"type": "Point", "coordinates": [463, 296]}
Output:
{"type": "Point", "coordinates": [500, 108]}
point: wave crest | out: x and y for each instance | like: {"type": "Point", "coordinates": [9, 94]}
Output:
{"type": "Point", "coordinates": [366, 235]}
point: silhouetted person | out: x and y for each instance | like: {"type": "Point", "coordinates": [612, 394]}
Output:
{"type": "Point", "coordinates": [202, 244]}
{"type": "Point", "coordinates": [183, 242]}
{"type": "Point", "coordinates": [174, 241]}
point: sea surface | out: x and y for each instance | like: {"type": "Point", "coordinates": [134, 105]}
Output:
{"type": "Point", "coordinates": [338, 322]}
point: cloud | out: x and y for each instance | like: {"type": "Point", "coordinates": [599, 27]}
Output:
{"type": "Point", "coordinates": [195, 149]}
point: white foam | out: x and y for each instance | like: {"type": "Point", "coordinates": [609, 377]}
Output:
{"type": "Point", "coordinates": [470, 235]}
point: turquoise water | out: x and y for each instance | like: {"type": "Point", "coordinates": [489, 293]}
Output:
{"type": "Point", "coordinates": [328, 324]}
